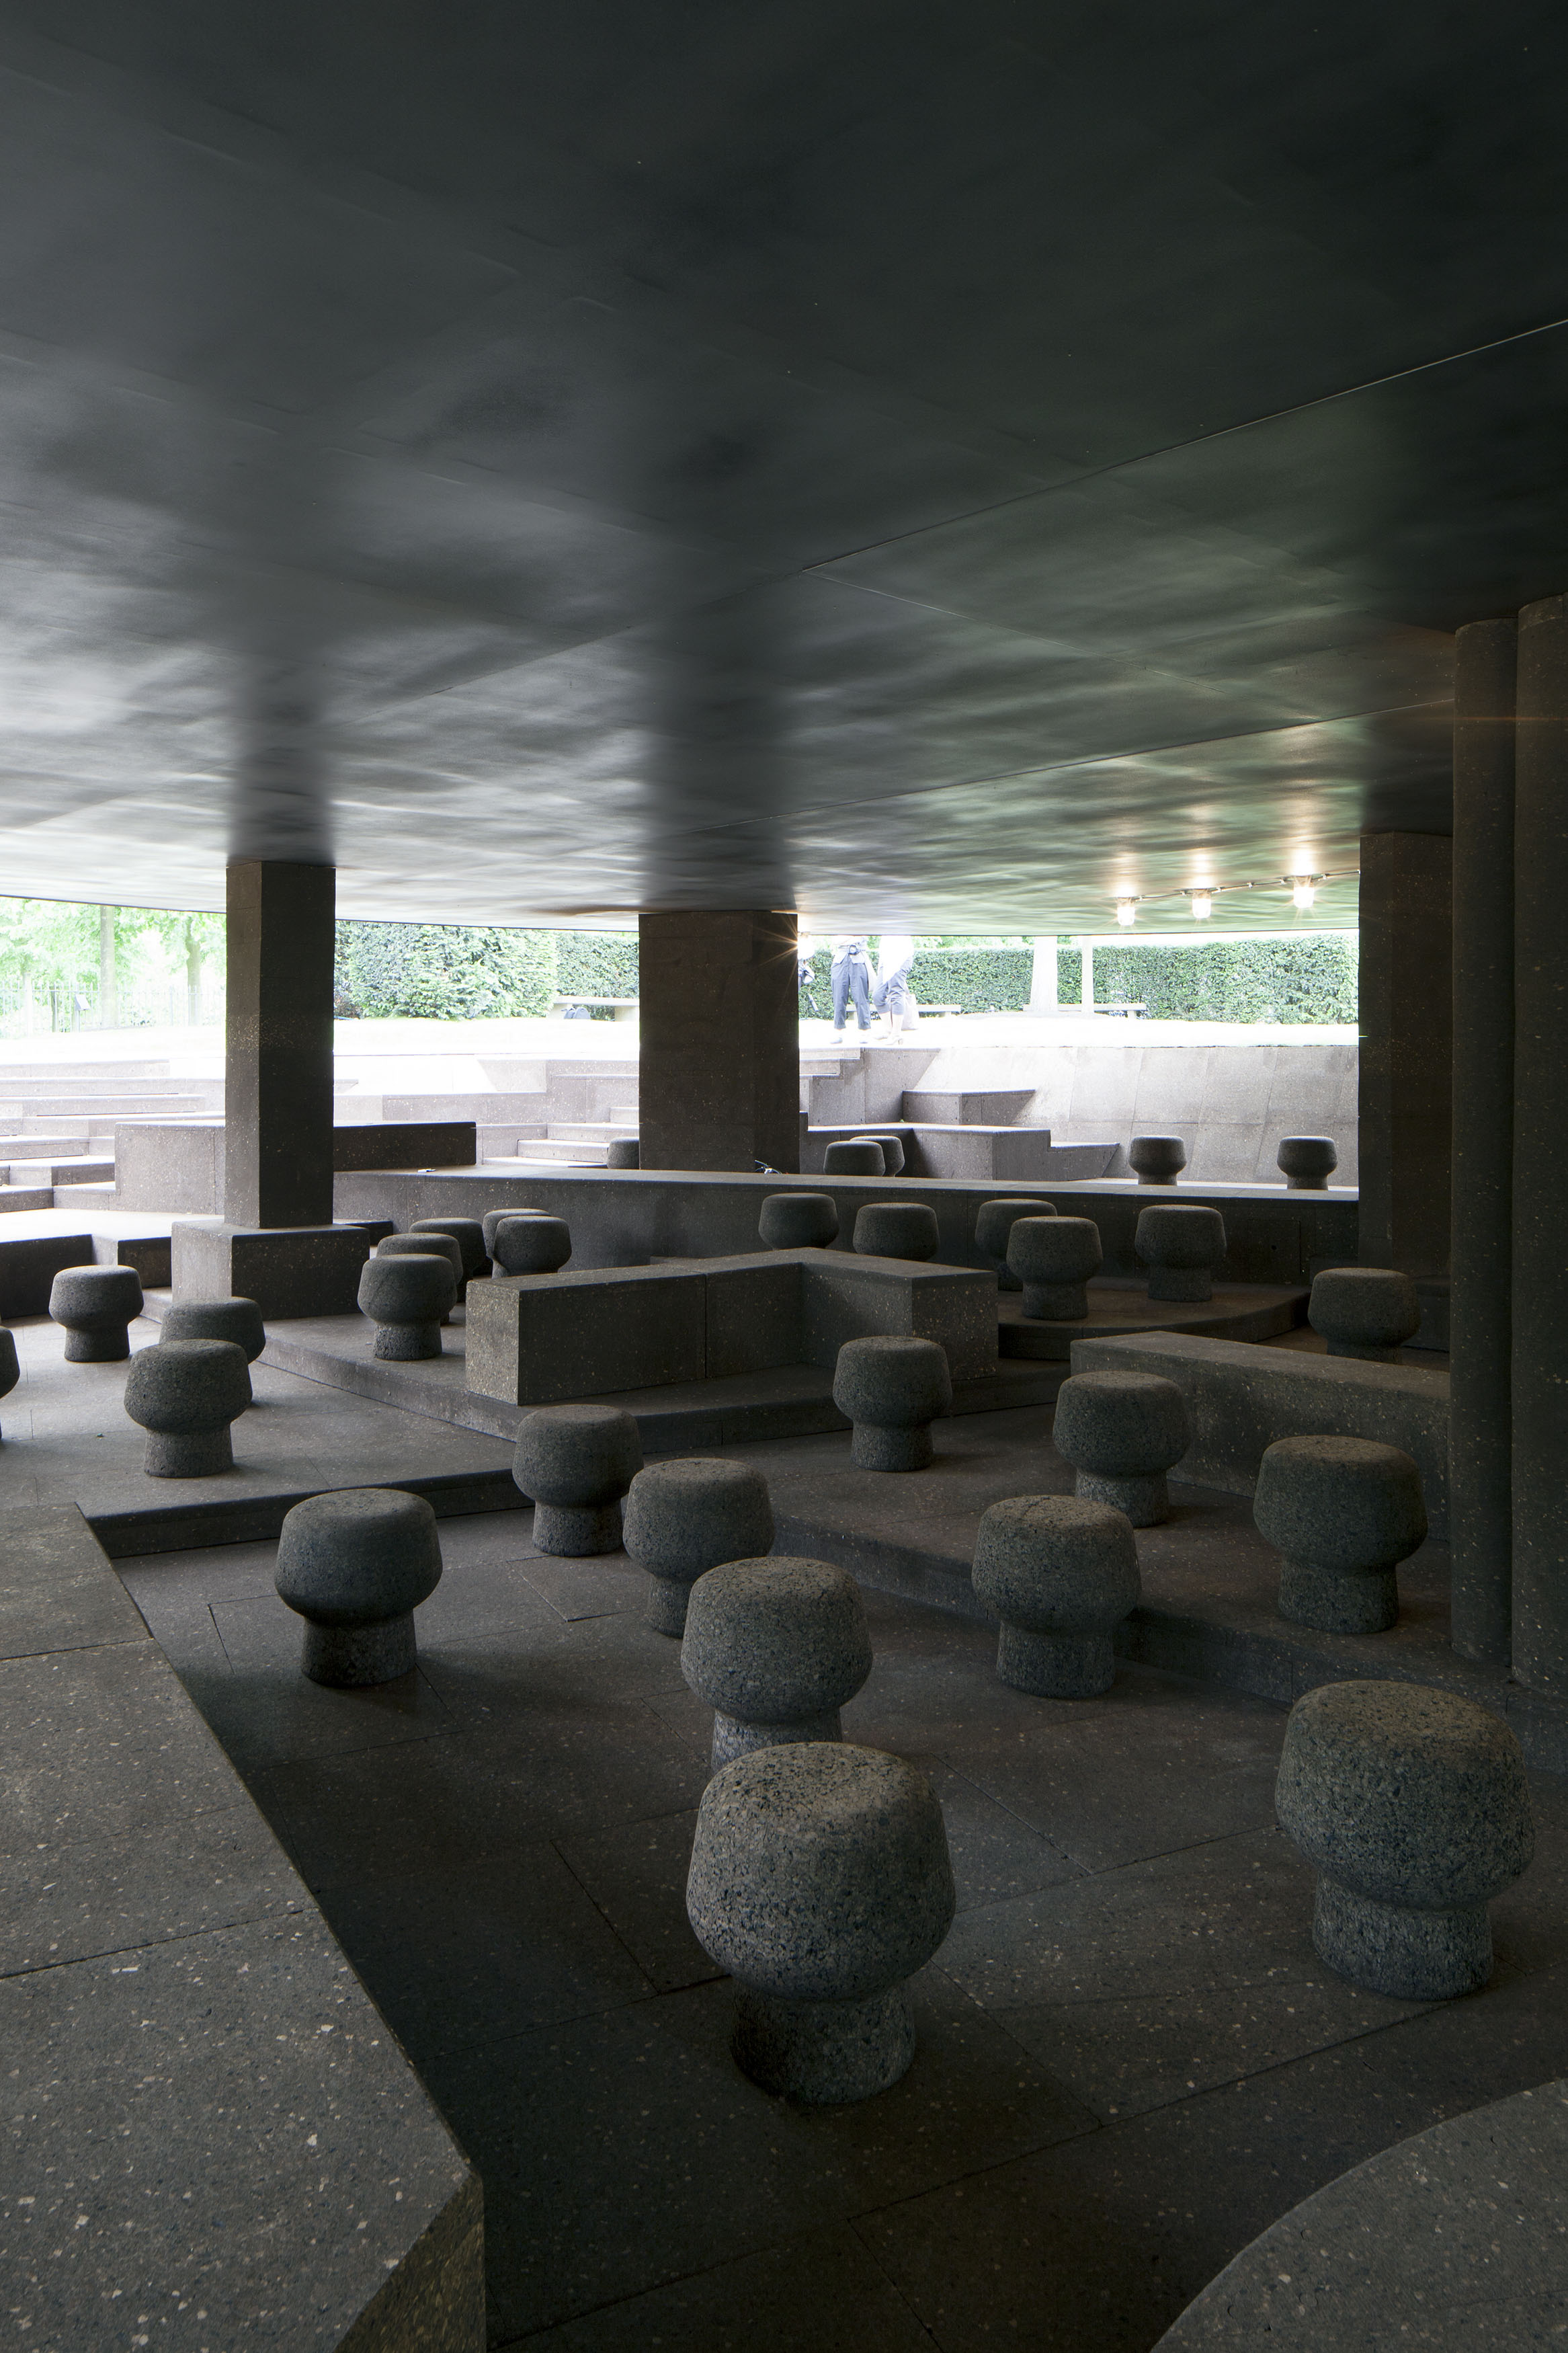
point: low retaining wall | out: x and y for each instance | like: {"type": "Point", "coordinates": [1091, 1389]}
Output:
{"type": "Point", "coordinates": [217, 2121]}
{"type": "Point", "coordinates": [1241, 1399]}
{"type": "Point", "coordinates": [177, 1167]}
{"type": "Point", "coordinates": [626, 1217]}
{"type": "Point", "coordinates": [1414, 2247]}
{"type": "Point", "coordinates": [537, 1339]}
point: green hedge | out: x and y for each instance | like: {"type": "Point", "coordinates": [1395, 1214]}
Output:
{"type": "Point", "coordinates": [1313, 978]}
{"type": "Point", "coordinates": [597, 963]}
{"type": "Point", "coordinates": [442, 972]}
{"type": "Point", "coordinates": [450, 972]}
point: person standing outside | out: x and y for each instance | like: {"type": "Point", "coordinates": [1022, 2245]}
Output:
{"type": "Point", "coordinates": [895, 954]}
{"type": "Point", "coordinates": [851, 980]}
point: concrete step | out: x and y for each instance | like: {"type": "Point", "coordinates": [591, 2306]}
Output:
{"type": "Point", "coordinates": [501, 1142]}
{"type": "Point", "coordinates": [84, 1197]}
{"type": "Point", "coordinates": [46, 1109]}
{"type": "Point", "coordinates": [27, 1197]}
{"type": "Point", "coordinates": [564, 1155]}
{"type": "Point", "coordinates": [84, 1170]}
{"type": "Point", "coordinates": [61, 1143]}
{"type": "Point", "coordinates": [589, 1131]}
{"type": "Point", "coordinates": [478, 1105]}
{"type": "Point", "coordinates": [27, 1091]}
{"type": "Point", "coordinates": [63, 1070]}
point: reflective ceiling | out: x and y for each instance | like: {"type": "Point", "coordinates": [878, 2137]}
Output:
{"type": "Point", "coordinates": [931, 464]}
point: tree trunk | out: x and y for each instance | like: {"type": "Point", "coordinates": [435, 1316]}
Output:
{"type": "Point", "coordinates": [108, 977]}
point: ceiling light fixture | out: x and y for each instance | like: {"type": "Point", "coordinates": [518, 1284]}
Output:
{"type": "Point", "coordinates": [1126, 912]}
{"type": "Point", "coordinates": [1200, 904]}
{"type": "Point", "coordinates": [1303, 888]}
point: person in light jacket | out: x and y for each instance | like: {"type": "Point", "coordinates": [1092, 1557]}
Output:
{"type": "Point", "coordinates": [893, 995]}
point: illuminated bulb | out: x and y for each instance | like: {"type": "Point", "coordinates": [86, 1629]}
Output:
{"type": "Point", "coordinates": [1126, 912]}
{"type": "Point", "coordinates": [1202, 903]}
{"type": "Point", "coordinates": [1303, 888]}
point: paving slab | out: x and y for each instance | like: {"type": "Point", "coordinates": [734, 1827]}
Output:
{"type": "Point", "coordinates": [68, 1440]}
{"type": "Point", "coordinates": [1129, 2052]}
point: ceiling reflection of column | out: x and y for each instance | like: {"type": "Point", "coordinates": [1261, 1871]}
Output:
{"type": "Point", "coordinates": [964, 464]}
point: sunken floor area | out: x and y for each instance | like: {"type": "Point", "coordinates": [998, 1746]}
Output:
{"type": "Point", "coordinates": [1131, 2061]}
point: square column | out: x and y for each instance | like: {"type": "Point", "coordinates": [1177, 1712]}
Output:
{"type": "Point", "coordinates": [1480, 1500]}
{"type": "Point", "coordinates": [720, 1070]}
{"type": "Point", "coordinates": [278, 1101]}
{"type": "Point", "coordinates": [1406, 1050]}
{"type": "Point", "coordinates": [276, 1244]}
{"type": "Point", "coordinates": [1538, 1367]}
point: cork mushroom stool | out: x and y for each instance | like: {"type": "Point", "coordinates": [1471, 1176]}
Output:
{"type": "Point", "coordinates": [893, 1150]}
{"type": "Point", "coordinates": [891, 1389]}
{"type": "Point", "coordinates": [797, 1221]}
{"type": "Point", "coordinates": [623, 1152]}
{"type": "Point", "coordinates": [1061, 1574]}
{"type": "Point", "coordinates": [895, 1230]}
{"type": "Point", "coordinates": [1364, 1311]}
{"type": "Point", "coordinates": [427, 1246]}
{"type": "Point", "coordinates": [820, 1881]}
{"type": "Point", "coordinates": [775, 1647]}
{"type": "Point", "coordinates": [843, 1159]}
{"type": "Point", "coordinates": [993, 1225]}
{"type": "Point", "coordinates": [1157, 1159]}
{"type": "Point", "coordinates": [531, 1245]}
{"type": "Point", "coordinates": [1121, 1433]}
{"type": "Point", "coordinates": [1344, 1512]}
{"type": "Point", "coordinates": [683, 1518]}
{"type": "Point", "coordinates": [1411, 1804]}
{"type": "Point", "coordinates": [1306, 1162]}
{"type": "Point", "coordinates": [1053, 1259]}
{"type": "Point", "coordinates": [10, 1370]}
{"type": "Point", "coordinates": [492, 1219]}
{"type": "Point", "coordinates": [468, 1233]}
{"type": "Point", "coordinates": [355, 1566]}
{"type": "Point", "coordinates": [97, 1305]}
{"type": "Point", "coordinates": [574, 1462]}
{"type": "Point", "coordinates": [185, 1394]}
{"type": "Point", "coordinates": [1180, 1248]}
{"type": "Point", "coordinates": [238, 1320]}
{"type": "Point", "coordinates": [406, 1298]}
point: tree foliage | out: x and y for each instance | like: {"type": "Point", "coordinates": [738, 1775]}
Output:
{"type": "Point", "coordinates": [439, 972]}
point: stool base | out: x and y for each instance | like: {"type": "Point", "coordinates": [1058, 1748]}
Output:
{"type": "Point", "coordinates": [1146, 1501]}
{"type": "Point", "coordinates": [1391, 1949]}
{"type": "Point", "coordinates": [574, 1530]}
{"type": "Point", "coordinates": [825, 2052]}
{"type": "Point", "coordinates": [732, 1738]}
{"type": "Point", "coordinates": [1181, 1283]}
{"type": "Point", "coordinates": [874, 1447]}
{"type": "Point", "coordinates": [1055, 1666]}
{"type": "Point", "coordinates": [1339, 1601]}
{"type": "Point", "coordinates": [1055, 1303]}
{"type": "Point", "coordinates": [349, 1657]}
{"type": "Point", "coordinates": [188, 1454]}
{"type": "Point", "coordinates": [665, 1603]}
{"type": "Point", "coordinates": [97, 1347]}
{"type": "Point", "coordinates": [406, 1343]}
